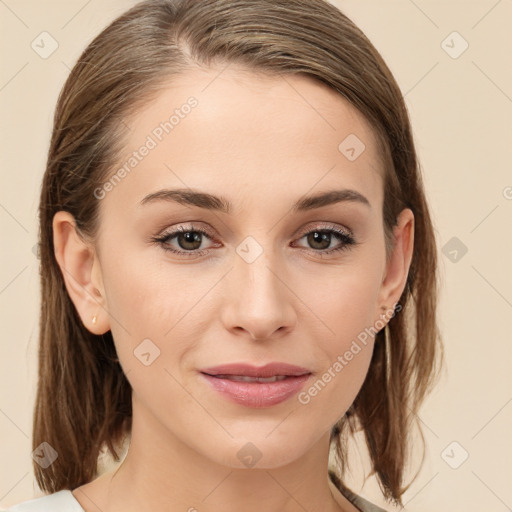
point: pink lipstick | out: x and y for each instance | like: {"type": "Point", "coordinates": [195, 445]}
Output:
{"type": "Point", "coordinates": [254, 386]}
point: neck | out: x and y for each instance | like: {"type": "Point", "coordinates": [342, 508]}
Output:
{"type": "Point", "coordinates": [161, 473]}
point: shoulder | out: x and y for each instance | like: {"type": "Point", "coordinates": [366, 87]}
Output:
{"type": "Point", "coordinates": [359, 502]}
{"type": "Point", "coordinates": [61, 501]}
{"type": "Point", "coordinates": [362, 504]}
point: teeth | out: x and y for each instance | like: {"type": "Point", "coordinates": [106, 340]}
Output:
{"type": "Point", "coordinates": [244, 378]}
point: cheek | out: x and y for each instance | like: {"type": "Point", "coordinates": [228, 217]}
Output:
{"type": "Point", "coordinates": [345, 357]}
{"type": "Point", "coordinates": [345, 303]}
{"type": "Point", "coordinates": [147, 294]}
{"type": "Point", "coordinates": [145, 300]}
{"type": "Point", "coordinates": [334, 389]}
{"type": "Point", "coordinates": [344, 299]}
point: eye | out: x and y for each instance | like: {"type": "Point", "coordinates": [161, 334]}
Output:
{"type": "Point", "coordinates": [321, 238]}
{"type": "Point", "coordinates": [188, 239]}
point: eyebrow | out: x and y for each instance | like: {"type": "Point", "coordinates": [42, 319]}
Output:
{"type": "Point", "coordinates": [207, 201]}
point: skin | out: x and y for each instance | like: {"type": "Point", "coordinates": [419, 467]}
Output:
{"type": "Point", "coordinates": [261, 142]}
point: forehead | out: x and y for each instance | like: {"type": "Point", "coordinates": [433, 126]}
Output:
{"type": "Point", "coordinates": [228, 128]}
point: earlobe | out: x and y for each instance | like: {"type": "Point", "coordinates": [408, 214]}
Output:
{"type": "Point", "coordinates": [397, 269]}
{"type": "Point", "coordinates": [81, 271]}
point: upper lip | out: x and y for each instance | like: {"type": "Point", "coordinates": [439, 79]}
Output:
{"type": "Point", "coordinates": [268, 370]}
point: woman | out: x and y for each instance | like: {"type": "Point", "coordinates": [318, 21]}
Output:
{"type": "Point", "coordinates": [234, 243]}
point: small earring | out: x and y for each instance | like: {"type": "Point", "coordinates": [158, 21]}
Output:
{"type": "Point", "coordinates": [94, 319]}
{"type": "Point", "coordinates": [387, 346]}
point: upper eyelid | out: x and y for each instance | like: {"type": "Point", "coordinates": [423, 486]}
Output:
{"type": "Point", "coordinates": [300, 233]}
{"type": "Point", "coordinates": [312, 225]}
{"type": "Point", "coordinates": [328, 226]}
{"type": "Point", "coordinates": [180, 229]}
{"type": "Point", "coordinates": [342, 233]}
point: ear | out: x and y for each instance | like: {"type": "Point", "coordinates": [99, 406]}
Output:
{"type": "Point", "coordinates": [81, 271]}
{"type": "Point", "coordinates": [397, 268]}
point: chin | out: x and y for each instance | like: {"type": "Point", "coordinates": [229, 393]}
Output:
{"type": "Point", "coordinates": [259, 451]}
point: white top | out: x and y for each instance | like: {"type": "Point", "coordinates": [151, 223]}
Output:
{"type": "Point", "coordinates": [64, 501]}
{"type": "Point", "coordinates": [61, 501]}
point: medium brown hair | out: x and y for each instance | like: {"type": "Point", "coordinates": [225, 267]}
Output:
{"type": "Point", "coordinates": [83, 401]}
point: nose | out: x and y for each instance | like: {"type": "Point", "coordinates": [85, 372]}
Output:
{"type": "Point", "coordinates": [259, 301]}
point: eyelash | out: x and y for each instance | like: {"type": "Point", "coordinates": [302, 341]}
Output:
{"type": "Point", "coordinates": [345, 237]}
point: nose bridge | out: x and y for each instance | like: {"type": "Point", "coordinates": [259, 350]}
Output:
{"type": "Point", "coordinates": [259, 300]}
{"type": "Point", "coordinates": [256, 270]}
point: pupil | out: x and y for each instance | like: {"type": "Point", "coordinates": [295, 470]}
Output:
{"type": "Point", "coordinates": [318, 237]}
{"type": "Point", "coordinates": [191, 237]}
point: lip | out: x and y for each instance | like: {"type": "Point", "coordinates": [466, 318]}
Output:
{"type": "Point", "coordinates": [257, 394]}
{"type": "Point", "coordinates": [248, 370]}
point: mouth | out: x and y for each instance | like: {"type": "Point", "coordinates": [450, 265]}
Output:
{"type": "Point", "coordinates": [258, 387]}
{"type": "Point", "coordinates": [245, 378]}
{"type": "Point", "coordinates": [269, 370]}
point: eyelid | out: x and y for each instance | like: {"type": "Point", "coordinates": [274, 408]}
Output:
{"type": "Point", "coordinates": [311, 226]}
{"type": "Point", "coordinates": [172, 232]}
{"type": "Point", "coordinates": [185, 227]}
{"type": "Point", "coordinates": [345, 234]}
{"type": "Point", "coordinates": [319, 225]}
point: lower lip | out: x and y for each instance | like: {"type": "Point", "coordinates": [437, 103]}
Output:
{"type": "Point", "coordinates": [258, 394]}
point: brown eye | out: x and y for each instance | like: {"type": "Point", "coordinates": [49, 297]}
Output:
{"type": "Point", "coordinates": [319, 239]}
{"type": "Point", "coordinates": [189, 240]}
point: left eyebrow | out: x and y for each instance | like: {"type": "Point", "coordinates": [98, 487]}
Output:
{"type": "Point", "coordinates": [207, 201]}
{"type": "Point", "coordinates": [328, 198]}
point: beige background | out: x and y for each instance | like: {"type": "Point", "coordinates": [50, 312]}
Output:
{"type": "Point", "coordinates": [459, 109]}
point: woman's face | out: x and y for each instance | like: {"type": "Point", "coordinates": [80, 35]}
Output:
{"type": "Point", "coordinates": [259, 286]}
